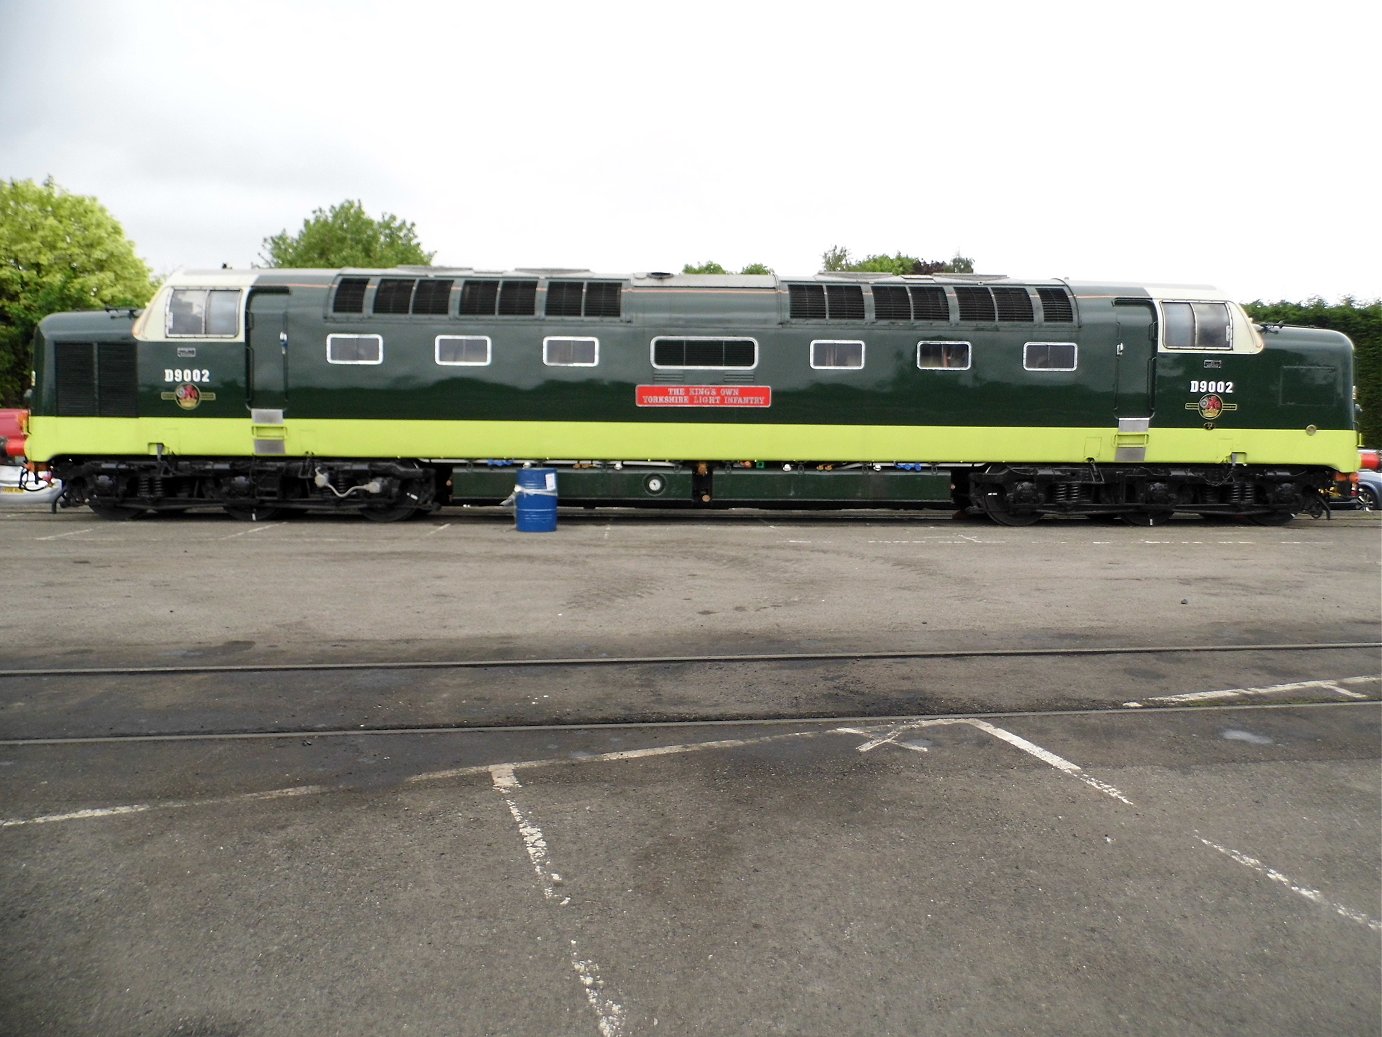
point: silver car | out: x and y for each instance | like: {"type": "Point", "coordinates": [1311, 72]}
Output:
{"type": "Point", "coordinates": [1369, 490]}
{"type": "Point", "coordinates": [20, 486]}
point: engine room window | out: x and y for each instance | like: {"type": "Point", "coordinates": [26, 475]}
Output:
{"type": "Point", "coordinates": [204, 312]}
{"type": "Point", "coordinates": [705, 353]}
{"type": "Point", "coordinates": [1049, 356]}
{"type": "Point", "coordinates": [950, 356]}
{"type": "Point", "coordinates": [570, 352]}
{"type": "Point", "coordinates": [1196, 325]}
{"type": "Point", "coordinates": [831, 354]}
{"type": "Point", "coordinates": [354, 349]}
{"type": "Point", "coordinates": [463, 350]}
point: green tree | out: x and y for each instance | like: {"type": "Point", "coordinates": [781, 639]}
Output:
{"type": "Point", "coordinates": [1362, 322]}
{"type": "Point", "coordinates": [708, 267]}
{"type": "Point", "coordinates": [58, 251]}
{"type": "Point", "coordinates": [345, 235]}
{"type": "Point", "coordinates": [836, 258]}
{"type": "Point", "coordinates": [712, 267]}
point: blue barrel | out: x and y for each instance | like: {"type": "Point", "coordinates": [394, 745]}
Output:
{"type": "Point", "coordinates": [535, 500]}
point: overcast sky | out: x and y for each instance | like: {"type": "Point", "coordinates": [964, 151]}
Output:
{"type": "Point", "coordinates": [1231, 144]}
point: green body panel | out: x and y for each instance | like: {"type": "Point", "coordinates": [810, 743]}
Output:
{"type": "Point", "coordinates": [1287, 404]}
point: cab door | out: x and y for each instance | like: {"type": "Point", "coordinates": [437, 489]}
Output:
{"type": "Point", "coordinates": [1134, 378]}
{"type": "Point", "coordinates": [266, 355]}
{"type": "Point", "coordinates": [1136, 338]}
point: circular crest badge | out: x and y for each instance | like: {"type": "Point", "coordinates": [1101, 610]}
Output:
{"type": "Point", "coordinates": [188, 396]}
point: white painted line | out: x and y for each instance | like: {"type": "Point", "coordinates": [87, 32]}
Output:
{"type": "Point", "coordinates": [1031, 748]}
{"type": "Point", "coordinates": [1313, 895]}
{"type": "Point", "coordinates": [454, 772]}
{"type": "Point", "coordinates": [505, 783]}
{"type": "Point", "coordinates": [438, 529]}
{"type": "Point", "coordinates": [1335, 686]}
{"type": "Point", "coordinates": [609, 1013]}
{"type": "Point", "coordinates": [890, 739]}
{"type": "Point", "coordinates": [257, 528]}
{"type": "Point", "coordinates": [613, 757]}
{"type": "Point", "coordinates": [174, 804]}
{"type": "Point", "coordinates": [59, 536]}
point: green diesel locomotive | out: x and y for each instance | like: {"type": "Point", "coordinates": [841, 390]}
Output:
{"type": "Point", "coordinates": [390, 392]}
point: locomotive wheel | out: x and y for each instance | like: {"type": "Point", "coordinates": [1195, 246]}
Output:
{"type": "Point", "coordinates": [995, 506]}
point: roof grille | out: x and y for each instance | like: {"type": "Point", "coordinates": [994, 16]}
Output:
{"type": "Point", "coordinates": [806, 302]}
{"type": "Point", "coordinates": [350, 295]}
{"type": "Point", "coordinates": [506, 298]}
{"type": "Point", "coordinates": [518, 299]}
{"type": "Point", "coordinates": [930, 303]}
{"type": "Point", "coordinates": [564, 298]}
{"type": "Point", "coordinates": [1056, 307]}
{"type": "Point", "coordinates": [975, 303]}
{"type": "Point", "coordinates": [583, 298]}
{"type": "Point", "coordinates": [602, 298]}
{"type": "Point", "coordinates": [394, 295]}
{"type": "Point", "coordinates": [844, 302]}
{"type": "Point", "coordinates": [432, 296]}
{"type": "Point", "coordinates": [478, 298]}
{"type": "Point", "coordinates": [1014, 304]}
{"type": "Point", "coordinates": [890, 302]}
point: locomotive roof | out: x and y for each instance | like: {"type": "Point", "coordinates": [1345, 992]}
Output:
{"type": "Point", "coordinates": [657, 279]}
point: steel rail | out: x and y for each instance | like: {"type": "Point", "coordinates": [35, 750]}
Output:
{"type": "Point", "coordinates": [675, 660]}
{"type": "Point", "coordinates": [655, 725]}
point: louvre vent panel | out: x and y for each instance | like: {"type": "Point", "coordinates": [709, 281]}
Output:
{"type": "Point", "coordinates": [844, 302]}
{"type": "Point", "coordinates": [564, 298]}
{"type": "Point", "coordinates": [518, 299]}
{"type": "Point", "coordinates": [975, 303]}
{"type": "Point", "coordinates": [806, 301]}
{"type": "Point", "coordinates": [350, 295]}
{"type": "Point", "coordinates": [478, 298]}
{"type": "Point", "coordinates": [76, 379]}
{"type": "Point", "coordinates": [394, 295]}
{"type": "Point", "coordinates": [1014, 304]}
{"type": "Point", "coordinates": [432, 297]}
{"type": "Point", "coordinates": [890, 302]}
{"type": "Point", "coordinates": [930, 303]}
{"type": "Point", "coordinates": [602, 298]}
{"type": "Point", "coordinates": [117, 380]}
{"type": "Point", "coordinates": [1056, 307]}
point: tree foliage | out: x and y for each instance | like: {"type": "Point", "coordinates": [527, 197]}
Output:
{"type": "Point", "coordinates": [712, 267]}
{"type": "Point", "coordinates": [836, 258]}
{"type": "Point", "coordinates": [1362, 322]}
{"type": "Point", "coordinates": [345, 235]}
{"type": "Point", "coordinates": [708, 267]}
{"type": "Point", "coordinates": [58, 251]}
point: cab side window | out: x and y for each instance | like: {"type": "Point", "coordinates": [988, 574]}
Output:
{"type": "Point", "coordinates": [204, 312]}
{"type": "Point", "coordinates": [1196, 325]}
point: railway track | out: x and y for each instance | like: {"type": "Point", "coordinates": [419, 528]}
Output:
{"type": "Point", "coordinates": [673, 725]}
{"type": "Point", "coordinates": [664, 660]}
{"type": "Point", "coordinates": [312, 699]}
